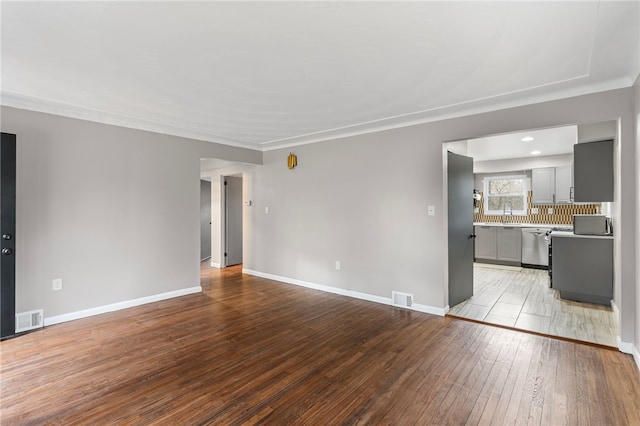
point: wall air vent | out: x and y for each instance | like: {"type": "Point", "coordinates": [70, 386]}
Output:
{"type": "Point", "coordinates": [31, 320]}
{"type": "Point", "coordinates": [404, 300]}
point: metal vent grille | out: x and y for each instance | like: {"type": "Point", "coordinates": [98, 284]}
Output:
{"type": "Point", "coordinates": [31, 320]}
{"type": "Point", "coordinates": [402, 299]}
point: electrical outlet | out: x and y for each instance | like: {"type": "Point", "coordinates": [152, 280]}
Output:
{"type": "Point", "coordinates": [431, 210]}
{"type": "Point", "coordinates": [550, 211]}
{"type": "Point", "coordinates": [534, 210]}
{"type": "Point", "coordinates": [337, 265]}
{"type": "Point", "coordinates": [56, 284]}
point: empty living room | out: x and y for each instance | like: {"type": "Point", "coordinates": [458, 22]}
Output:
{"type": "Point", "coordinates": [271, 212]}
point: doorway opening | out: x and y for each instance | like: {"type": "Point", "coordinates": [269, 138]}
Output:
{"type": "Point", "coordinates": [521, 191]}
{"type": "Point", "coordinates": [232, 220]}
{"type": "Point", "coordinates": [205, 219]}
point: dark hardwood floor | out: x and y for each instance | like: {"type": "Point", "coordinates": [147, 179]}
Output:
{"type": "Point", "coordinates": [249, 350]}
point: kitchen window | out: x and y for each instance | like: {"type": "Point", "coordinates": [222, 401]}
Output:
{"type": "Point", "coordinates": [505, 194]}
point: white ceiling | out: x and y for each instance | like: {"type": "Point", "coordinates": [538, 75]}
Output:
{"type": "Point", "coordinates": [554, 141]}
{"type": "Point", "coordinates": [272, 74]}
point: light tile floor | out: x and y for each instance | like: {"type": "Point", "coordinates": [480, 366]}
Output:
{"type": "Point", "coordinates": [521, 298]}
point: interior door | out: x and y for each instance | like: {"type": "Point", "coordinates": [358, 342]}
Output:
{"type": "Point", "coordinates": [205, 219]}
{"type": "Point", "coordinates": [233, 220]}
{"type": "Point", "coordinates": [8, 231]}
{"type": "Point", "coordinates": [461, 236]}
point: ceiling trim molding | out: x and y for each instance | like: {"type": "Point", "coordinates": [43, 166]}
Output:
{"type": "Point", "coordinates": [499, 102]}
{"type": "Point", "coordinates": [49, 106]}
{"type": "Point", "coordinates": [503, 101]}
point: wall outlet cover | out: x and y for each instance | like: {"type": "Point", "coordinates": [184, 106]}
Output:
{"type": "Point", "coordinates": [534, 210]}
{"type": "Point", "coordinates": [56, 284]}
{"type": "Point", "coordinates": [550, 211]}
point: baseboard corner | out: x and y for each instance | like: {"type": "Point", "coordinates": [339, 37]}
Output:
{"type": "Point", "coordinates": [636, 355]}
{"type": "Point", "coordinates": [624, 347]}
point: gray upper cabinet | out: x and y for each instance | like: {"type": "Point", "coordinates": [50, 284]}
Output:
{"type": "Point", "coordinates": [564, 185]}
{"type": "Point", "coordinates": [593, 171]}
{"type": "Point", "coordinates": [552, 185]}
{"type": "Point", "coordinates": [543, 185]}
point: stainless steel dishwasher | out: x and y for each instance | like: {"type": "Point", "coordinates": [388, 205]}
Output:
{"type": "Point", "coordinates": [535, 247]}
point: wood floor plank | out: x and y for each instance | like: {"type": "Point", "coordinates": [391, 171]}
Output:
{"type": "Point", "coordinates": [253, 351]}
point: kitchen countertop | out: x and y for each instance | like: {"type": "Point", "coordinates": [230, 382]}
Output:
{"type": "Point", "coordinates": [522, 225]}
{"type": "Point", "coordinates": [564, 234]}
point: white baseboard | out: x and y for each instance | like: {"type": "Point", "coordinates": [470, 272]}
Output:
{"type": "Point", "coordinates": [625, 347]}
{"type": "Point", "coordinates": [57, 319]}
{"type": "Point", "coordinates": [215, 265]}
{"type": "Point", "coordinates": [629, 348]}
{"type": "Point", "coordinates": [636, 355]}
{"type": "Point", "coordinates": [349, 293]}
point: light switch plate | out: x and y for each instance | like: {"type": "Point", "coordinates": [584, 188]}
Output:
{"type": "Point", "coordinates": [431, 210]}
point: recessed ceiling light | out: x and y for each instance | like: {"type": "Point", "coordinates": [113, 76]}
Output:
{"type": "Point", "coordinates": [527, 139]}
{"type": "Point", "coordinates": [535, 153]}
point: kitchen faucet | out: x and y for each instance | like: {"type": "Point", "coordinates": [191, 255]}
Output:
{"type": "Point", "coordinates": [504, 211]}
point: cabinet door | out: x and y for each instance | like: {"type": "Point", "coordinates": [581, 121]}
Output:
{"type": "Point", "coordinates": [583, 269]}
{"type": "Point", "coordinates": [564, 184]}
{"type": "Point", "coordinates": [543, 185]}
{"type": "Point", "coordinates": [509, 244]}
{"type": "Point", "coordinates": [485, 244]}
{"type": "Point", "coordinates": [593, 171]}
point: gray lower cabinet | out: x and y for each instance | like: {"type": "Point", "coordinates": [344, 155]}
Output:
{"type": "Point", "coordinates": [509, 245]}
{"type": "Point", "coordinates": [485, 244]}
{"type": "Point", "coordinates": [498, 244]}
{"type": "Point", "coordinates": [583, 269]}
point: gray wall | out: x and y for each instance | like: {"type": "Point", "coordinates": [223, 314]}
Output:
{"type": "Point", "coordinates": [112, 211]}
{"type": "Point", "coordinates": [363, 200]}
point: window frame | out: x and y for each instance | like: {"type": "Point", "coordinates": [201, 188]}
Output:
{"type": "Point", "coordinates": [525, 190]}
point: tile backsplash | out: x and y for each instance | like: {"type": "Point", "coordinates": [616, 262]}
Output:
{"type": "Point", "coordinates": [562, 213]}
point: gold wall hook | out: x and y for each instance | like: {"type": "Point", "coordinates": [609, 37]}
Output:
{"type": "Point", "coordinates": [292, 160]}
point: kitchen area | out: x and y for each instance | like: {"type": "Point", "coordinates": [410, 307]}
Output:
{"type": "Point", "coordinates": [543, 237]}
